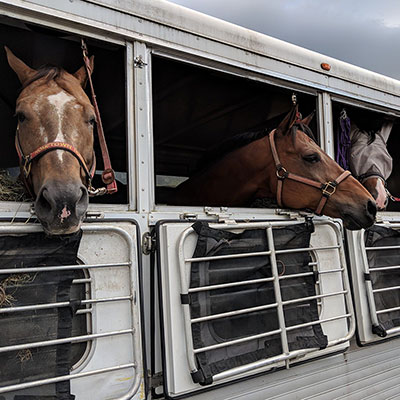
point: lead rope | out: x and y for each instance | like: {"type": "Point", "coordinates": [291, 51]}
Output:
{"type": "Point", "coordinates": [108, 175]}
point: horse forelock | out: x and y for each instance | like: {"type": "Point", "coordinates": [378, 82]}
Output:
{"type": "Point", "coordinates": [49, 72]}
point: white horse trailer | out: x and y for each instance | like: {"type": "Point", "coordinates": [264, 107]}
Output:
{"type": "Point", "coordinates": [299, 309]}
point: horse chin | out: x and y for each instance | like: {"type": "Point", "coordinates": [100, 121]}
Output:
{"type": "Point", "coordinates": [57, 231]}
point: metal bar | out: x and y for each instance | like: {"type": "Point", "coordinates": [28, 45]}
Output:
{"type": "Point", "coordinates": [237, 341]}
{"type": "Point", "coordinates": [382, 248]}
{"type": "Point", "coordinates": [56, 379]}
{"type": "Point", "coordinates": [83, 280]}
{"type": "Point", "coordinates": [393, 331]}
{"type": "Point", "coordinates": [61, 304]}
{"type": "Point", "coordinates": [73, 339]}
{"type": "Point", "coordinates": [387, 289]}
{"type": "Point", "coordinates": [292, 276]}
{"type": "Point", "coordinates": [384, 268]}
{"type": "Point", "coordinates": [317, 296]}
{"type": "Point", "coordinates": [368, 283]}
{"type": "Point", "coordinates": [320, 321]}
{"type": "Point", "coordinates": [84, 311]}
{"type": "Point", "coordinates": [233, 313]}
{"type": "Point", "coordinates": [63, 268]}
{"type": "Point", "coordinates": [230, 284]}
{"type": "Point", "coordinates": [304, 249]}
{"type": "Point", "coordinates": [277, 289]}
{"type": "Point", "coordinates": [388, 310]}
{"type": "Point", "coordinates": [228, 256]}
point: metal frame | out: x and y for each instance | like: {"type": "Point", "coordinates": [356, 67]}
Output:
{"type": "Point", "coordinates": [133, 301]}
{"type": "Point", "coordinates": [373, 313]}
{"type": "Point", "coordinates": [287, 355]}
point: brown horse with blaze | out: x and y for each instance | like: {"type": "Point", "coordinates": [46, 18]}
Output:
{"type": "Point", "coordinates": [54, 141]}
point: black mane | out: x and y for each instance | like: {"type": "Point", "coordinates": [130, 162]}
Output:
{"type": "Point", "coordinates": [243, 139]}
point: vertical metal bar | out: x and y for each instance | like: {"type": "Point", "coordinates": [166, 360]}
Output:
{"type": "Point", "coordinates": [144, 168]}
{"type": "Point", "coordinates": [325, 103]}
{"type": "Point", "coordinates": [278, 295]}
{"type": "Point", "coordinates": [130, 125]}
{"type": "Point", "coordinates": [368, 284]}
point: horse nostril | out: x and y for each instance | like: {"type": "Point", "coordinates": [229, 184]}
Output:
{"type": "Point", "coordinates": [82, 203]}
{"type": "Point", "coordinates": [42, 202]}
{"type": "Point", "coordinates": [371, 208]}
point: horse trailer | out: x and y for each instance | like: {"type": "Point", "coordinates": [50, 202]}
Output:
{"type": "Point", "coordinates": [152, 299]}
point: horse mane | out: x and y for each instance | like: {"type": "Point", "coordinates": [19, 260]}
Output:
{"type": "Point", "coordinates": [48, 71]}
{"type": "Point", "coordinates": [243, 139]}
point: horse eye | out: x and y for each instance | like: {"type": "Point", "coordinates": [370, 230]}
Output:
{"type": "Point", "coordinates": [312, 158]}
{"type": "Point", "coordinates": [21, 117]}
{"type": "Point", "coordinates": [92, 121]}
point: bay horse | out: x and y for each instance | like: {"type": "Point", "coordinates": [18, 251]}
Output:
{"type": "Point", "coordinates": [285, 164]}
{"type": "Point", "coordinates": [54, 141]}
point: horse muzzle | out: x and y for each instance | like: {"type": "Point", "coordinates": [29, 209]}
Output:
{"type": "Point", "coordinates": [355, 218]}
{"type": "Point", "coordinates": [60, 207]}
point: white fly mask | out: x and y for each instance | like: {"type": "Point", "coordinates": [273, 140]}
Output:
{"type": "Point", "coordinates": [372, 159]}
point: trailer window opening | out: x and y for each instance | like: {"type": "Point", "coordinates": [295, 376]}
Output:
{"type": "Point", "coordinates": [367, 153]}
{"type": "Point", "coordinates": [196, 109]}
{"type": "Point", "coordinates": [37, 46]}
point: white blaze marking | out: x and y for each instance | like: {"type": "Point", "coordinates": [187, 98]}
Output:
{"type": "Point", "coordinates": [381, 199]}
{"type": "Point", "coordinates": [58, 101]}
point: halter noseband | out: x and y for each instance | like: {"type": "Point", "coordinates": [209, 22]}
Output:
{"type": "Point", "coordinates": [327, 188]}
{"type": "Point", "coordinates": [25, 161]}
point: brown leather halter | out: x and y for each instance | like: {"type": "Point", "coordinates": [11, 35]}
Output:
{"type": "Point", "coordinates": [327, 188]}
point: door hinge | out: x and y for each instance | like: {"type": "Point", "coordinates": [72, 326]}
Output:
{"type": "Point", "coordinates": [148, 243]}
{"type": "Point", "coordinates": [223, 215]}
{"type": "Point", "coordinates": [156, 380]}
{"type": "Point", "coordinates": [138, 62]}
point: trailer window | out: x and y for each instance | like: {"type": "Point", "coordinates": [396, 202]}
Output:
{"type": "Point", "coordinates": [196, 109]}
{"type": "Point", "coordinates": [38, 46]}
{"type": "Point", "coordinates": [372, 148]}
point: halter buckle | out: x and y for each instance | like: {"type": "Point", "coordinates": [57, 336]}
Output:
{"type": "Point", "coordinates": [329, 189]}
{"type": "Point", "coordinates": [281, 172]}
{"type": "Point", "coordinates": [27, 166]}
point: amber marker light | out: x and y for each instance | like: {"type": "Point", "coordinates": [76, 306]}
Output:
{"type": "Point", "coordinates": [325, 66]}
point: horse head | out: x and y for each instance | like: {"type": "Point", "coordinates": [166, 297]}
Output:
{"type": "Point", "coordinates": [371, 162]}
{"type": "Point", "coordinates": [54, 140]}
{"type": "Point", "coordinates": [309, 179]}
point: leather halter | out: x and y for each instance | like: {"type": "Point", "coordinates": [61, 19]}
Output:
{"type": "Point", "coordinates": [25, 161]}
{"type": "Point", "coordinates": [327, 188]}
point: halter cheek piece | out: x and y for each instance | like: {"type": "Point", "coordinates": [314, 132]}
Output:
{"type": "Point", "coordinates": [327, 188]}
{"type": "Point", "coordinates": [25, 161]}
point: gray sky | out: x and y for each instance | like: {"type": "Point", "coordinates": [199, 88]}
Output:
{"type": "Point", "coordinates": [362, 32]}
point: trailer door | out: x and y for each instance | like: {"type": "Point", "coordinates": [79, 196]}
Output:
{"type": "Point", "coordinates": [240, 299]}
{"type": "Point", "coordinates": [70, 313]}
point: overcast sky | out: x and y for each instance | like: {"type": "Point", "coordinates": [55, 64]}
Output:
{"type": "Point", "coordinates": [362, 32]}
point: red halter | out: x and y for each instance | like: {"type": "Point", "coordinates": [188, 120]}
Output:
{"type": "Point", "coordinates": [327, 188]}
{"type": "Point", "coordinates": [25, 161]}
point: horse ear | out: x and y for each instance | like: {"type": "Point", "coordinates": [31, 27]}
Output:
{"type": "Point", "coordinates": [288, 121]}
{"type": "Point", "coordinates": [81, 74]}
{"type": "Point", "coordinates": [23, 72]}
{"type": "Point", "coordinates": [306, 121]}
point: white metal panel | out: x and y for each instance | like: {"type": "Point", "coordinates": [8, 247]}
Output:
{"type": "Point", "coordinates": [177, 371]}
{"type": "Point", "coordinates": [109, 255]}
